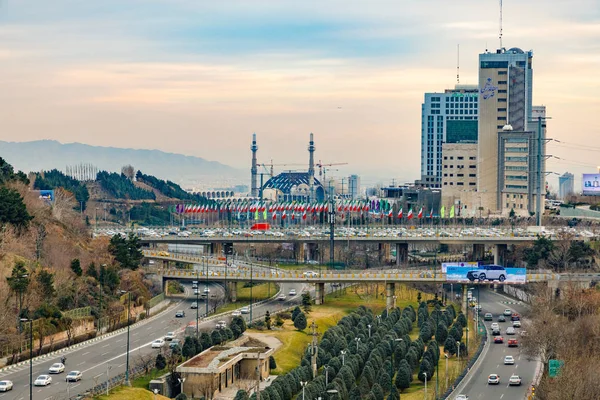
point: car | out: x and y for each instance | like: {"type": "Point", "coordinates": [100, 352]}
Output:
{"type": "Point", "coordinates": [495, 325]}
{"type": "Point", "coordinates": [194, 305]}
{"type": "Point", "coordinates": [281, 297]}
{"type": "Point", "coordinates": [508, 312]}
{"type": "Point", "coordinates": [74, 376]}
{"type": "Point", "coordinates": [487, 317]}
{"type": "Point", "coordinates": [493, 379]}
{"type": "Point", "coordinates": [487, 273]}
{"type": "Point", "coordinates": [221, 325]}
{"type": "Point", "coordinates": [510, 330]}
{"type": "Point", "coordinates": [57, 368]}
{"type": "Point", "coordinates": [236, 313]}
{"type": "Point", "coordinates": [42, 380]}
{"type": "Point", "coordinates": [313, 262]}
{"type": "Point", "coordinates": [501, 318]}
{"type": "Point", "coordinates": [206, 290]}
{"type": "Point", "coordinates": [5, 386]}
{"type": "Point", "coordinates": [514, 380]}
{"type": "Point", "coordinates": [461, 397]}
{"type": "Point", "coordinates": [170, 336]}
{"type": "Point", "coordinates": [245, 310]}
{"type": "Point", "coordinates": [174, 343]}
{"type": "Point", "coordinates": [513, 343]}
{"type": "Point", "coordinates": [179, 314]}
{"type": "Point", "coordinates": [509, 360]}
{"type": "Point", "coordinates": [158, 343]}
{"type": "Point", "coordinates": [478, 307]}
{"type": "Point", "coordinates": [311, 274]}
{"type": "Point", "coordinates": [516, 324]}
{"type": "Point", "coordinates": [515, 317]}
{"type": "Point", "coordinates": [196, 292]}
{"type": "Point", "coordinates": [292, 292]}
{"type": "Point", "coordinates": [498, 339]}
{"type": "Point", "coordinates": [496, 332]}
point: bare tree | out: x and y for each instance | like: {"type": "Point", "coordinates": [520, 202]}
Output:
{"type": "Point", "coordinates": [128, 171]}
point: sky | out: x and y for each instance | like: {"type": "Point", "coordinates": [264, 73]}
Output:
{"type": "Point", "coordinates": [198, 77]}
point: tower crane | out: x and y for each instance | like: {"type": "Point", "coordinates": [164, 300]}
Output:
{"type": "Point", "coordinates": [275, 165]}
{"type": "Point", "coordinates": [322, 170]}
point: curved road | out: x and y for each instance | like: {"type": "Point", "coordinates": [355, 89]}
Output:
{"type": "Point", "coordinates": [475, 384]}
{"type": "Point", "coordinates": [94, 358]}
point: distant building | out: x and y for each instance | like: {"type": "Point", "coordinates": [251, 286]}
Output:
{"type": "Point", "coordinates": [294, 186]}
{"type": "Point", "coordinates": [354, 186]}
{"type": "Point", "coordinates": [459, 176]}
{"type": "Point", "coordinates": [566, 185]}
{"type": "Point", "coordinates": [411, 197]}
{"type": "Point", "coordinates": [449, 117]}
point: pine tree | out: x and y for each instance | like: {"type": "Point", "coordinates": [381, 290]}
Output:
{"type": "Point", "coordinates": [300, 322]}
{"type": "Point", "coordinates": [76, 267]}
{"type": "Point", "coordinates": [403, 376]}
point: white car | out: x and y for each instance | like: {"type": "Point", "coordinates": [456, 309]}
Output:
{"type": "Point", "coordinates": [281, 297]}
{"type": "Point", "coordinates": [245, 310]}
{"type": "Point", "coordinates": [510, 330]}
{"type": "Point", "coordinates": [5, 386]}
{"type": "Point", "coordinates": [516, 324]}
{"type": "Point", "coordinates": [292, 292]}
{"type": "Point", "coordinates": [495, 326]}
{"type": "Point", "coordinates": [206, 290]}
{"type": "Point", "coordinates": [74, 376]}
{"type": "Point", "coordinates": [158, 343]}
{"type": "Point", "coordinates": [236, 313]}
{"type": "Point", "coordinates": [42, 380]}
{"type": "Point", "coordinates": [493, 379]}
{"type": "Point", "coordinates": [509, 360]}
{"type": "Point", "coordinates": [515, 380]}
{"type": "Point", "coordinates": [57, 368]}
{"type": "Point", "coordinates": [170, 336]}
{"type": "Point", "coordinates": [311, 274]}
{"type": "Point", "coordinates": [221, 325]}
{"type": "Point", "coordinates": [508, 312]}
{"type": "Point", "coordinates": [461, 397]}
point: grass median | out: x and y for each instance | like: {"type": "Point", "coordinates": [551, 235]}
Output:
{"type": "Point", "coordinates": [131, 393]}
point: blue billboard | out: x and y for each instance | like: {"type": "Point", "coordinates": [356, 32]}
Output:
{"type": "Point", "coordinates": [47, 195]}
{"type": "Point", "coordinates": [486, 274]}
{"type": "Point", "coordinates": [591, 184]}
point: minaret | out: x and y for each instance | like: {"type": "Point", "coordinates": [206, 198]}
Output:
{"type": "Point", "coordinates": [254, 169]}
{"type": "Point", "coordinates": [311, 167]}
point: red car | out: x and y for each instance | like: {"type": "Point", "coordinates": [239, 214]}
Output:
{"type": "Point", "coordinates": [515, 317]}
{"type": "Point", "coordinates": [498, 339]}
{"type": "Point", "coordinates": [513, 343]}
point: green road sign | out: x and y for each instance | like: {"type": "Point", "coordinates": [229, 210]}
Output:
{"type": "Point", "coordinates": [554, 367]}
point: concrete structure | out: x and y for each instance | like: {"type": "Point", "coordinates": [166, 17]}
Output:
{"type": "Point", "coordinates": [459, 177]}
{"type": "Point", "coordinates": [254, 169]}
{"type": "Point", "coordinates": [505, 98]}
{"type": "Point", "coordinates": [311, 167]}
{"type": "Point", "coordinates": [566, 185]}
{"type": "Point", "coordinates": [407, 197]}
{"type": "Point", "coordinates": [220, 367]}
{"type": "Point", "coordinates": [448, 117]}
{"type": "Point", "coordinates": [354, 186]}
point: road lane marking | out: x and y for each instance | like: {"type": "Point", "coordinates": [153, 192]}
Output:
{"type": "Point", "coordinates": [81, 363]}
{"type": "Point", "coordinates": [87, 352]}
{"type": "Point", "coordinates": [98, 375]}
{"type": "Point", "coordinates": [103, 354]}
{"type": "Point", "coordinates": [106, 345]}
{"type": "Point", "coordinates": [502, 395]}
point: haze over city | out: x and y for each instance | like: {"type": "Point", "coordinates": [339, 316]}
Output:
{"type": "Point", "coordinates": [199, 78]}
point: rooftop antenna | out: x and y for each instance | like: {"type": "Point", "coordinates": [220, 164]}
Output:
{"type": "Point", "coordinates": [500, 36]}
{"type": "Point", "coordinates": [458, 64]}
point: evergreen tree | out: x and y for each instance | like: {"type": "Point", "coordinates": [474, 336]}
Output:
{"type": "Point", "coordinates": [268, 320]}
{"type": "Point", "coordinates": [76, 267]}
{"type": "Point", "coordinates": [272, 363]}
{"type": "Point", "coordinates": [46, 281]}
{"type": "Point", "coordinates": [404, 375]}
{"type": "Point", "coordinates": [441, 333]}
{"type": "Point", "coordinates": [91, 271]}
{"type": "Point", "coordinates": [188, 350]}
{"type": "Point", "coordinates": [241, 395]}
{"type": "Point", "coordinates": [306, 302]}
{"type": "Point", "coordinates": [377, 391]}
{"type": "Point", "coordinates": [450, 346]}
{"type": "Point", "coordinates": [12, 209]}
{"type": "Point", "coordinates": [205, 340]}
{"type": "Point", "coordinates": [216, 337]}
{"type": "Point", "coordinates": [300, 322]}
{"type": "Point", "coordinates": [161, 362]}
{"type": "Point", "coordinates": [295, 312]}
{"type": "Point", "coordinates": [425, 368]}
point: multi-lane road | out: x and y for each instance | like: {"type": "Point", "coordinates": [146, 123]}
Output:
{"type": "Point", "coordinates": [492, 359]}
{"type": "Point", "coordinates": [97, 358]}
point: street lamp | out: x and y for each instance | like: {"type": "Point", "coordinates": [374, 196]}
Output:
{"type": "Point", "coordinates": [30, 355]}
{"type": "Point", "coordinates": [303, 384]}
{"type": "Point", "coordinates": [378, 319]}
{"type": "Point", "coordinates": [357, 340]}
{"type": "Point", "coordinates": [343, 353]}
{"type": "Point", "coordinates": [458, 346]}
{"type": "Point", "coordinates": [127, 382]}
{"type": "Point", "coordinates": [369, 326]}
{"type": "Point", "coordinates": [332, 391]}
{"type": "Point", "coordinates": [326, 368]}
{"type": "Point", "coordinates": [108, 368]}
{"type": "Point", "coordinates": [446, 375]}
{"type": "Point", "coordinates": [425, 374]}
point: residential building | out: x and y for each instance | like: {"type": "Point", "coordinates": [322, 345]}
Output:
{"type": "Point", "coordinates": [448, 117]}
{"type": "Point", "coordinates": [459, 176]}
{"type": "Point", "coordinates": [566, 185]}
{"type": "Point", "coordinates": [505, 98]}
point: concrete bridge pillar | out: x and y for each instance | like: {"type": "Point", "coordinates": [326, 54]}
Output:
{"type": "Point", "coordinates": [232, 291]}
{"type": "Point", "coordinates": [401, 253]}
{"type": "Point", "coordinates": [313, 251]}
{"type": "Point", "coordinates": [390, 292]}
{"type": "Point", "coordinates": [478, 251]}
{"type": "Point", "coordinates": [500, 253]}
{"type": "Point", "coordinates": [216, 249]}
{"type": "Point", "coordinates": [299, 251]}
{"type": "Point", "coordinates": [319, 293]}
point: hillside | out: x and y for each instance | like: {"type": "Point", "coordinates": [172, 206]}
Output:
{"type": "Point", "coordinates": [48, 154]}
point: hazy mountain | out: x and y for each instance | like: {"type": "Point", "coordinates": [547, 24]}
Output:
{"type": "Point", "coordinates": [48, 154]}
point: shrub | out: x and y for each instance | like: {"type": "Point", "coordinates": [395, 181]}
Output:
{"type": "Point", "coordinates": [160, 362]}
{"type": "Point", "coordinates": [285, 315]}
{"type": "Point", "coordinates": [450, 345]}
{"type": "Point", "coordinates": [181, 396]}
{"type": "Point", "coordinates": [272, 363]}
{"type": "Point", "coordinates": [404, 375]}
{"type": "Point", "coordinates": [142, 315]}
{"type": "Point", "coordinates": [296, 312]}
{"type": "Point", "coordinates": [300, 322]}
{"type": "Point", "coordinates": [425, 368]}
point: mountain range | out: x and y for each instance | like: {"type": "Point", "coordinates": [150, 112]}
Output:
{"type": "Point", "coordinates": [49, 154]}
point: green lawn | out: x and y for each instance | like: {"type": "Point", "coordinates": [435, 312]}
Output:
{"type": "Point", "coordinates": [131, 393]}
{"type": "Point", "coordinates": [259, 292]}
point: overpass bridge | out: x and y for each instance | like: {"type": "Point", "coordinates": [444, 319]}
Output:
{"type": "Point", "coordinates": [250, 273]}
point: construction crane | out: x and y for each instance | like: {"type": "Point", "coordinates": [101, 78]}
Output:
{"type": "Point", "coordinates": [275, 165]}
{"type": "Point", "coordinates": [321, 165]}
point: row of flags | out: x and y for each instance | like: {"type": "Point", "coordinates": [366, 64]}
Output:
{"type": "Point", "coordinates": [376, 208]}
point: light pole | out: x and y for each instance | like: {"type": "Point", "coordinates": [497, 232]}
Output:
{"type": "Point", "coordinates": [446, 374]}
{"type": "Point", "coordinates": [197, 302]}
{"type": "Point", "coordinates": [458, 346]}
{"type": "Point", "coordinates": [369, 326]}
{"type": "Point", "coordinates": [303, 384]}
{"type": "Point", "coordinates": [343, 352]}
{"type": "Point", "coordinates": [357, 340]}
{"type": "Point", "coordinates": [332, 391]}
{"type": "Point", "coordinates": [326, 367]}
{"type": "Point", "coordinates": [206, 284]}
{"type": "Point", "coordinates": [108, 368]}
{"type": "Point", "coordinates": [425, 374]}
{"type": "Point", "coordinates": [30, 355]}
{"type": "Point", "coordinates": [378, 319]}
{"type": "Point", "coordinates": [127, 382]}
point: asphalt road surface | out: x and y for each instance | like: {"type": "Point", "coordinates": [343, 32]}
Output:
{"type": "Point", "coordinates": [475, 384]}
{"type": "Point", "coordinates": [95, 358]}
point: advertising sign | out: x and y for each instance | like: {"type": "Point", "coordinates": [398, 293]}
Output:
{"type": "Point", "coordinates": [47, 195]}
{"type": "Point", "coordinates": [473, 264]}
{"type": "Point", "coordinates": [591, 184]}
{"type": "Point", "coordinates": [486, 274]}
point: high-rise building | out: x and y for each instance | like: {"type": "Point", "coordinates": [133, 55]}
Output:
{"type": "Point", "coordinates": [449, 117]}
{"type": "Point", "coordinates": [354, 186]}
{"type": "Point", "coordinates": [505, 98]}
{"type": "Point", "coordinates": [566, 185]}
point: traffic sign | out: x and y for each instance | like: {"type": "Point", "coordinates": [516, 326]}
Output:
{"type": "Point", "coordinates": [554, 367]}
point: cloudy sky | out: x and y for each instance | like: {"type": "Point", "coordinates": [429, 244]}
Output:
{"type": "Point", "coordinates": [198, 77]}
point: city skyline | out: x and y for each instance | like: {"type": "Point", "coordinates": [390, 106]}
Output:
{"type": "Point", "coordinates": [200, 78]}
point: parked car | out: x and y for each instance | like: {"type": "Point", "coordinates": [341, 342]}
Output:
{"type": "Point", "coordinates": [42, 380]}
{"type": "Point", "coordinates": [493, 379]}
{"type": "Point", "coordinates": [179, 314]}
{"type": "Point", "coordinates": [487, 273]}
{"type": "Point", "coordinates": [158, 343]}
{"type": "Point", "coordinates": [57, 368]}
{"type": "Point", "coordinates": [514, 380]}
{"type": "Point", "coordinates": [74, 376]}
{"type": "Point", "coordinates": [5, 386]}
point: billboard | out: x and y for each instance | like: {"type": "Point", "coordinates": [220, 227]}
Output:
{"type": "Point", "coordinates": [591, 184]}
{"type": "Point", "coordinates": [486, 274]}
{"type": "Point", "coordinates": [47, 195]}
{"type": "Point", "coordinates": [472, 264]}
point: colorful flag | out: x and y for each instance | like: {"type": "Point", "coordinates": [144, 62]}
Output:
{"type": "Point", "coordinates": [443, 212]}
{"type": "Point", "coordinates": [431, 213]}
{"type": "Point", "coordinates": [452, 212]}
{"type": "Point", "coordinates": [420, 214]}
{"type": "Point", "coordinates": [391, 213]}
{"type": "Point", "coordinates": [283, 215]}
{"type": "Point", "coordinates": [410, 214]}
{"type": "Point", "coordinates": [304, 215]}
{"type": "Point", "coordinates": [400, 214]}
{"type": "Point", "coordinates": [274, 215]}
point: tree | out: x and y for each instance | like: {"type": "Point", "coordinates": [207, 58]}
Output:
{"type": "Point", "coordinates": [540, 250]}
{"type": "Point", "coordinates": [188, 350]}
{"type": "Point", "coordinates": [205, 340]}
{"type": "Point", "coordinates": [216, 337]}
{"type": "Point", "coordinates": [91, 271]}
{"type": "Point", "coordinates": [425, 368]}
{"type": "Point", "coordinates": [419, 297]}
{"type": "Point", "coordinates": [300, 322]}
{"type": "Point", "coordinates": [18, 281]}
{"type": "Point", "coordinates": [450, 345]}
{"type": "Point", "coordinates": [306, 302]}
{"type": "Point", "coordinates": [76, 267]}
{"type": "Point", "coordinates": [126, 251]}
{"type": "Point", "coordinates": [161, 362]}
{"type": "Point", "coordinates": [46, 281]}
{"type": "Point", "coordinates": [272, 363]}
{"type": "Point", "coordinates": [441, 333]}
{"type": "Point", "coordinates": [377, 391]}
{"type": "Point", "coordinates": [12, 209]}
{"type": "Point", "coordinates": [239, 321]}
{"type": "Point", "coordinates": [181, 396]}
{"type": "Point", "coordinates": [268, 320]}
{"type": "Point", "coordinates": [295, 312]}
{"type": "Point", "coordinates": [425, 332]}
{"type": "Point", "coordinates": [403, 376]}
{"type": "Point", "coordinates": [241, 395]}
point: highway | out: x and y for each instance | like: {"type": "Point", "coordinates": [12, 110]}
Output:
{"type": "Point", "coordinates": [492, 361]}
{"type": "Point", "coordinates": [96, 357]}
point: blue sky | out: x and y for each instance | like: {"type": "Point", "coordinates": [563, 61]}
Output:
{"type": "Point", "coordinates": [139, 73]}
